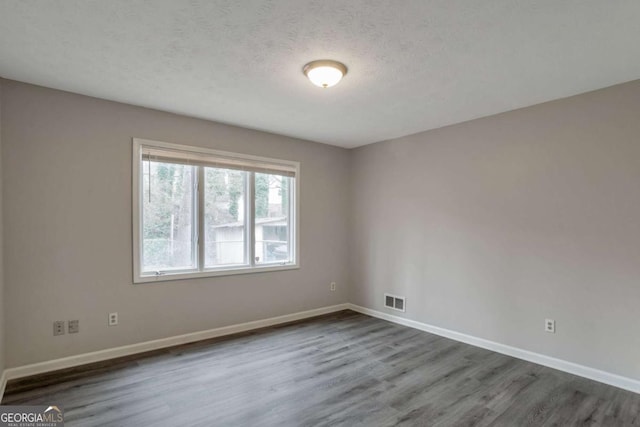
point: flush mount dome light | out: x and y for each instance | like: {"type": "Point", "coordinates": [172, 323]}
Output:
{"type": "Point", "coordinates": [325, 73]}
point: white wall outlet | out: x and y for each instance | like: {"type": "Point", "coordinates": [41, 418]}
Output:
{"type": "Point", "coordinates": [332, 286]}
{"type": "Point", "coordinates": [74, 326]}
{"type": "Point", "coordinates": [58, 327]}
{"type": "Point", "coordinates": [113, 319]}
{"type": "Point", "coordinates": [550, 326]}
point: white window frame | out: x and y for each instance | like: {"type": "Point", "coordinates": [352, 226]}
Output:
{"type": "Point", "coordinates": [252, 267]}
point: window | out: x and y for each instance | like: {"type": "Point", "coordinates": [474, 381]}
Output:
{"type": "Point", "coordinates": [200, 212]}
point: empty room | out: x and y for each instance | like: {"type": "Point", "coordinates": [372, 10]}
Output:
{"type": "Point", "coordinates": [319, 213]}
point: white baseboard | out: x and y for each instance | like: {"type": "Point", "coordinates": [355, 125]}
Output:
{"type": "Point", "coordinates": [97, 356]}
{"type": "Point", "coordinates": [127, 350]}
{"type": "Point", "coordinates": [551, 362]}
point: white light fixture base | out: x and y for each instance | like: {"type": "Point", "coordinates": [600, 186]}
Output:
{"type": "Point", "coordinates": [324, 73]}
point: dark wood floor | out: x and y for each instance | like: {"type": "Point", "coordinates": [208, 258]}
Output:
{"type": "Point", "coordinates": [344, 369]}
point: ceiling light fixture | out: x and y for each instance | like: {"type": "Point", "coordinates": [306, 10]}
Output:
{"type": "Point", "coordinates": [325, 72]}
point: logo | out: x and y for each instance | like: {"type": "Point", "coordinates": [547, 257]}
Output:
{"type": "Point", "coordinates": [31, 416]}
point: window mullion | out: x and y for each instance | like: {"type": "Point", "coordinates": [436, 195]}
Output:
{"type": "Point", "coordinates": [292, 219]}
{"type": "Point", "coordinates": [200, 217]}
{"type": "Point", "coordinates": [251, 218]}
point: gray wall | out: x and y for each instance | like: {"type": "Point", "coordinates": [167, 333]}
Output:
{"type": "Point", "coordinates": [66, 166]}
{"type": "Point", "coordinates": [2, 346]}
{"type": "Point", "coordinates": [490, 226]}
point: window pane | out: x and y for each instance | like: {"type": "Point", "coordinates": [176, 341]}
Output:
{"type": "Point", "coordinates": [168, 217]}
{"type": "Point", "coordinates": [224, 217]}
{"type": "Point", "coordinates": [272, 200]}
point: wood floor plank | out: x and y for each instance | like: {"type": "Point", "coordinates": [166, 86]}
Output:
{"type": "Point", "coordinates": [343, 369]}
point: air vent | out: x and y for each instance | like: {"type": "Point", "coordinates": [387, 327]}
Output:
{"type": "Point", "coordinates": [394, 302]}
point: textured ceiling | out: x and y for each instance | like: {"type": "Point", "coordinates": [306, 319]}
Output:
{"type": "Point", "coordinates": [413, 65]}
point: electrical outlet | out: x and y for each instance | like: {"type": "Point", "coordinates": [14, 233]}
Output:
{"type": "Point", "coordinates": [332, 286]}
{"type": "Point", "coordinates": [113, 319]}
{"type": "Point", "coordinates": [550, 326]}
{"type": "Point", "coordinates": [74, 326]}
{"type": "Point", "coordinates": [58, 327]}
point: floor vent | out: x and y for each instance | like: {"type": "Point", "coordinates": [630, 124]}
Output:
{"type": "Point", "coordinates": [394, 302]}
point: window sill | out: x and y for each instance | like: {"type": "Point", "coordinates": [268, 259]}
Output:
{"type": "Point", "coordinates": [214, 273]}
